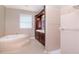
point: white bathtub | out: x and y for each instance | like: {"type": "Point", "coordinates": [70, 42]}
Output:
{"type": "Point", "coordinates": [13, 42]}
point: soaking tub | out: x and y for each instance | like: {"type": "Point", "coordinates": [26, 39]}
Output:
{"type": "Point", "coordinates": [13, 42]}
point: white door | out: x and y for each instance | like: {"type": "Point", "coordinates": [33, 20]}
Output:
{"type": "Point", "coordinates": [70, 33]}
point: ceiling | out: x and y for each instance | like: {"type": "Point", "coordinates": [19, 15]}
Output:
{"type": "Point", "coordinates": [33, 8]}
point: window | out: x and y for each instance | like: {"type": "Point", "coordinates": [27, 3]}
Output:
{"type": "Point", "coordinates": [25, 21]}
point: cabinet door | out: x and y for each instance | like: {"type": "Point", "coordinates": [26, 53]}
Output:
{"type": "Point", "coordinates": [42, 38]}
{"type": "Point", "coordinates": [38, 36]}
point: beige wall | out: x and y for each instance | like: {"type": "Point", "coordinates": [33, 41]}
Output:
{"type": "Point", "coordinates": [12, 21]}
{"type": "Point", "coordinates": [70, 38]}
{"type": "Point", "coordinates": [67, 9]}
{"type": "Point", "coordinates": [2, 21]}
{"type": "Point", "coordinates": [52, 27]}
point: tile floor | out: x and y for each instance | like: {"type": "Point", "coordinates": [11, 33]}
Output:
{"type": "Point", "coordinates": [57, 51]}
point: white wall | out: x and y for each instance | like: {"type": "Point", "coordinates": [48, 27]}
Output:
{"type": "Point", "coordinates": [70, 38]}
{"type": "Point", "coordinates": [52, 27]}
{"type": "Point", "coordinates": [2, 21]}
{"type": "Point", "coordinates": [12, 21]}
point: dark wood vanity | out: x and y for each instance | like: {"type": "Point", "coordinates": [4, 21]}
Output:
{"type": "Point", "coordinates": [40, 26]}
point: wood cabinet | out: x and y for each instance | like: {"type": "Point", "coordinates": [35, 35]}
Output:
{"type": "Point", "coordinates": [40, 25]}
{"type": "Point", "coordinates": [40, 37]}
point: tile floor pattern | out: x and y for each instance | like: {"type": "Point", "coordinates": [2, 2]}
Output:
{"type": "Point", "coordinates": [34, 47]}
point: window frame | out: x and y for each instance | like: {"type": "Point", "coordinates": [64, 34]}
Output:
{"type": "Point", "coordinates": [26, 26]}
